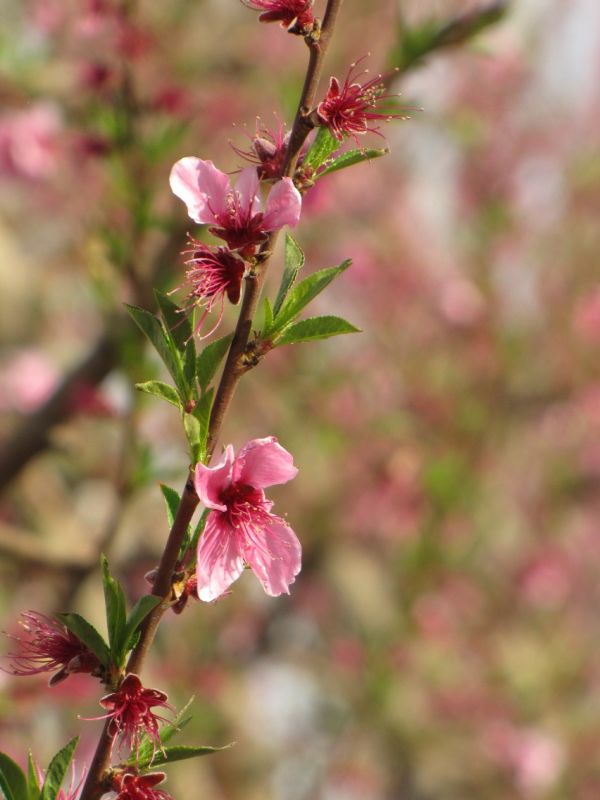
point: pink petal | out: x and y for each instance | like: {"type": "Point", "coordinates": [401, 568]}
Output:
{"type": "Point", "coordinates": [247, 186]}
{"type": "Point", "coordinates": [201, 186]}
{"type": "Point", "coordinates": [209, 482]}
{"type": "Point", "coordinates": [283, 206]}
{"type": "Point", "coordinates": [220, 562]}
{"type": "Point", "coordinates": [215, 185]}
{"type": "Point", "coordinates": [263, 462]}
{"type": "Point", "coordinates": [275, 555]}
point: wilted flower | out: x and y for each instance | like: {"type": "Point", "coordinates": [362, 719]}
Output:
{"type": "Point", "coordinates": [267, 150]}
{"type": "Point", "coordinates": [211, 274]}
{"type": "Point", "coordinates": [130, 786]}
{"type": "Point", "coordinates": [348, 109]}
{"type": "Point", "coordinates": [130, 714]}
{"type": "Point", "coordinates": [234, 213]}
{"type": "Point", "coordinates": [295, 15]}
{"type": "Point", "coordinates": [240, 529]}
{"type": "Point", "coordinates": [48, 646]}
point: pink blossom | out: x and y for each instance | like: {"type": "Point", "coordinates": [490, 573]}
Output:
{"type": "Point", "coordinates": [130, 714]}
{"type": "Point", "coordinates": [26, 381]}
{"type": "Point", "coordinates": [234, 213]}
{"type": "Point", "coordinates": [240, 529]}
{"type": "Point", "coordinates": [295, 15]}
{"type": "Point", "coordinates": [211, 274]}
{"type": "Point", "coordinates": [348, 108]}
{"type": "Point", "coordinates": [130, 786]}
{"type": "Point", "coordinates": [48, 646]}
{"type": "Point", "coordinates": [29, 142]}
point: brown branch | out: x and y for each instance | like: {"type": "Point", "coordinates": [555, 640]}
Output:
{"type": "Point", "coordinates": [33, 435]}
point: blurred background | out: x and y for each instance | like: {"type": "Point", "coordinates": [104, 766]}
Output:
{"type": "Point", "coordinates": [441, 640]}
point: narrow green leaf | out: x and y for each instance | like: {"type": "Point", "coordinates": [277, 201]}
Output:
{"type": "Point", "coordinates": [322, 147]}
{"type": "Point", "coordinates": [166, 733]}
{"type": "Point", "coordinates": [209, 360]}
{"type": "Point", "coordinates": [194, 436]}
{"type": "Point", "coordinates": [201, 412]}
{"type": "Point", "coordinates": [352, 157]}
{"type": "Point", "coordinates": [172, 500]}
{"type": "Point", "coordinates": [34, 789]}
{"type": "Point", "coordinates": [305, 291]}
{"type": "Point", "coordinates": [114, 599]}
{"type": "Point", "coordinates": [160, 389]}
{"type": "Point", "coordinates": [176, 320]}
{"type": "Point", "coordinates": [180, 753]}
{"type": "Point", "coordinates": [268, 314]}
{"type": "Point", "coordinates": [56, 771]}
{"type": "Point", "coordinates": [294, 261]}
{"type": "Point", "coordinates": [5, 787]}
{"type": "Point", "coordinates": [164, 346]}
{"type": "Point", "coordinates": [87, 634]}
{"type": "Point", "coordinates": [189, 368]}
{"type": "Point", "coordinates": [315, 328]}
{"type": "Point", "coordinates": [12, 779]}
{"type": "Point", "coordinates": [137, 615]}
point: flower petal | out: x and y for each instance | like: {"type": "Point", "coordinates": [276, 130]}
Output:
{"type": "Point", "coordinates": [283, 206]}
{"type": "Point", "coordinates": [209, 482]}
{"type": "Point", "coordinates": [263, 462]}
{"type": "Point", "coordinates": [201, 186]}
{"type": "Point", "coordinates": [275, 555]}
{"type": "Point", "coordinates": [247, 186]}
{"type": "Point", "coordinates": [220, 562]}
{"type": "Point", "coordinates": [215, 185]}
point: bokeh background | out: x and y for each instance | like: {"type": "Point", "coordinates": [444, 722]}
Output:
{"type": "Point", "coordinates": [442, 640]}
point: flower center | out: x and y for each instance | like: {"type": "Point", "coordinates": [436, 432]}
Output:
{"type": "Point", "coordinates": [246, 506]}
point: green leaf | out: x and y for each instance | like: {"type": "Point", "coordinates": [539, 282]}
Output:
{"type": "Point", "coordinates": [160, 389]}
{"type": "Point", "coordinates": [167, 732]}
{"type": "Point", "coordinates": [189, 368]}
{"type": "Point", "coordinates": [33, 784]}
{"type": "Point", "coordinates": [137, 615]}
{"type": "Point", "coordinates": [179, 753]}
{"type": "Point", "coordinates": [57, 770]}
{"type": "Point", "coordinates": [352, 157]}
{"type": "Point", "coordinates": [87, 634]}
{"type": "Point", "coordinates": [201, 413]}
{"type": "Point", "coordinates": [163, 344]}
{"type": "Point", "coordinates": [176, 320]}
{"type": "Point", "coordinates": [193, 434]}
{"type": "Point", "coordinates": [209, 360]}
{"type": "Point", "coordinates": [172, 499]}
{"type": "Point", "coordinates": [116, 619]}
{"type": "Point", "coordinates": [294, 261]}
{"type": "Point", "coordinates": [322, 147]}
{"type": "Point", "coordinates": [305, 291]}
{"type": "Point", "coordinates": [313, 328]}
{"type": "Point", "coordinates": [268, 314]}
{"type": "Point", "coordinates": [12, 779]}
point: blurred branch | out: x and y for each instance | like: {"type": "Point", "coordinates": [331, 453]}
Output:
{"type": "Point", "coordinates": [417, 42]}
{"type": "Point", "coordinates": [34, 433]}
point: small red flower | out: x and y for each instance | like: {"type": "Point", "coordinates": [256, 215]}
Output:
{"type": "Point", "coordinates": [268, 150]}
{"type": "Point", "coordinates": [130, 714]}
{"type": "Point", "coordinates": [211, 274]}
{"type": "Point", "coordinates": [348, 109]}
{"type": "Point", "coordinates": [295, 15]}
{"type": "Point", "coordinates": [48, 646]}
{"type": "Point", "coordinates": [139, 787]}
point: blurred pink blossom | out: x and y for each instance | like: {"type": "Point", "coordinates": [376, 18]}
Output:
{"type": "Point", "coordinates": [26, 382]}
{"type": "Point", "coordinates": [29, 142]}
{"type": "Point", "coordinates": [586, 318]}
